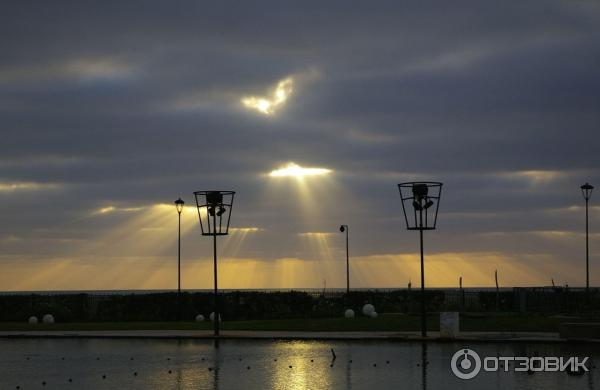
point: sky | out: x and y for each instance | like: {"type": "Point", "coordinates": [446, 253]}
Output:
{"type": "Point", "coordinates": [109, 111]}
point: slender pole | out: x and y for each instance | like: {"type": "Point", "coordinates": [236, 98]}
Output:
{"type": "Point", "coordinates": [587, 253]}
{"type": "Point", "coordinates": [347, 264]}
{"type": "Point", "coordinates": [179, 268]}
{"type": "Point", "coordinates": [216, 297]}
{"type": "Point", "coordinates": [423, 308]}
{"type": "Point", "coordinates": [179, 256]}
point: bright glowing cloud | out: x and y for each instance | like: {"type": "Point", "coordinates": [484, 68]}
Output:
{"type": "Point", "coordinates": [25, 186]}
{"type": "Point", "coordinates": [268, 105]}
{"type": "Point", "coordinates": [295, 170]}
{"type": "Point", "coordinates": [245, 230]}
{"type": "Point", "coordinates": [113, 209]}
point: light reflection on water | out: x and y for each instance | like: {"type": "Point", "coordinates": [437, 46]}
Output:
{"type": "Point", "coordinates": [253, 364]}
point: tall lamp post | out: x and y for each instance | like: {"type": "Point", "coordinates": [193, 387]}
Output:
{"type": "Point", "coordinates": [421, 197]}
{"type": "Point", "coordinates": [214, 212]}
{"type": "Point", "coordinates": [179, 206]}
{"type": "Point", "coordinates": [344, 228]}
{"type": "Point", "coordinates": [586, 191]}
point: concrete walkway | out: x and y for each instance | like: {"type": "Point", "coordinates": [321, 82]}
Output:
{"type": "Point", "coordinates": [529, 337]}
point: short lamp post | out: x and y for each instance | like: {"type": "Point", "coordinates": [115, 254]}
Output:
{"type": "Point", "coordinates": [586, 191]}
{"type": "Point", "coordinates": [214, 212]}
{"type": "Point", "coordinates": [344, 228]}
{"type": "Point", "coordinates": [423, 198]}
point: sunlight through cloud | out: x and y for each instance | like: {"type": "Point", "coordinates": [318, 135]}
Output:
{"type": "Point", "coordinates": [295, 170]}
{"type": "Point", "coordinates": [268, 105]}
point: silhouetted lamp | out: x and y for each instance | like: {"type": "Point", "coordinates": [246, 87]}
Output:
{"type": "Point", "coordinates": [179, 206]}
{"type": "Point", "coordinates": [344, 228]}
{"type": "Point", "coordinates": [420, 204]}
{"type": "Point", "coordinates": [214, 212]}
{"type": "Point", "coordinates": [586, 191]}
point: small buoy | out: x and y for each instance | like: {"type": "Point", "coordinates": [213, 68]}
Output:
{"type": "Point", "coordinates": [44, 383]}
{"type": "Point", "coordinates": [97, 358]}
{"type": "Point", "coordinates": [70, 380]}
{"type": "Point", "coordinates": [290, 366]}
{"type": "Point", "coordinates": [27, 358]}
{"type": "Point", "coordinates": [240, 359]}
{"type": "Point", "coordinates": [135, 373]}
{"type": "Point", "coordinates": [209, 368]}
{"type": "Point", "coordinates": [374, 364]}
{"type": "Point", "coordinates": [311, 360]}
{"type": "Point", "coordinates": [62, 358]}
{"type": "Point", "coordinates": [247, 368]}
{"type": "Point", "coordinates": [103, 376]}
{"type": "Point", "coordinates": [350, 360]}
{"type": "Point", "coordinates": [387, 362]}
{"type": "Point", "coordinates": [274, 360]}
{"type": "Point", "coordinates": [331, 365]}
{"type": "Point", "coordinates": [169, 371]}
{"type": "Point", "coordinates": [18, 387]}
{"type": "Point", "coordinates": [130, 358]}
{"type": "Point", "coordinates": [168, 358]}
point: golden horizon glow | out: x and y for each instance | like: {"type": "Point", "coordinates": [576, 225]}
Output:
{"type": "Point", "coordinates": [267, 106]}
{"type": "Point", "coordinates": [370, 271]}
{"type": "Point", "coordinates": [295, 170]}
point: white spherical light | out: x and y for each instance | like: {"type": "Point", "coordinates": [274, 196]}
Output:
{"type": "Point", "coordinates": [32, 320]}
{"type": "Point", "coordinates": [199, 318]}
{"type": "Point", "coordinates": [368, 309]}
{"type": "Point", "coordinates": [212, 317]}
{"type": "Point", "coordinates": [373, 314]}
{"type": "Point", "coordinates": [349, 313]}
{"type": "Point", "coordinates": [48, 319]}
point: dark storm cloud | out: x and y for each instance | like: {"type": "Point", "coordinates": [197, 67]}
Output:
{"type": "Point", "coordinates": [134, 103]}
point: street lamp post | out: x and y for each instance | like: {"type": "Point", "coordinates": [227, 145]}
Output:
{"type": "Point", "coordinates": [421, 196]}
{"type": "Point", "coordinates": [586, 191]}
{"type": "Point", "coordinates": [344, 228]}
{"type": "Point", "coordinates": [214, 212]}
{"type": "Point", "coordinates": [179, 206]}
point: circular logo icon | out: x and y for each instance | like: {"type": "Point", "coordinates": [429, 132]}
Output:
{"type": "Point", "coordinates": [465, 364]}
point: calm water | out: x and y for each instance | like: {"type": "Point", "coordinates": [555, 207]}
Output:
{"type": "Point", "coordinates": [177, 364]}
